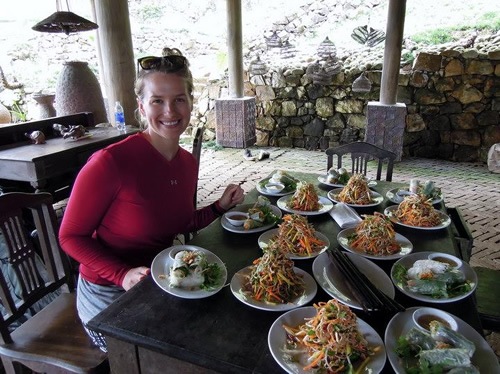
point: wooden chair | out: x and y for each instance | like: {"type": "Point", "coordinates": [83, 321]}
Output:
{"type": "Point", "coordinates": [53, 339]}
{"type": "Point", "coordinates": [361, 153]}
{"type": "Point", "coordinates": [487, 292]}
{"type": "Point", "coordinates": [196, 152]}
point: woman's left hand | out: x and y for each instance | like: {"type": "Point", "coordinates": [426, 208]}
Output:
{"type": "Point", "coordinates": [232, 195]}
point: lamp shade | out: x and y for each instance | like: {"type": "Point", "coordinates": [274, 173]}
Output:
{"type": "Point", "coordinates": [361, 84]}
{"type": "Point", "coordinates": [66, 22]}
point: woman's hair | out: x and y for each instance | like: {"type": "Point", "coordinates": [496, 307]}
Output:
{"type": "Point", "coordinates": [163, 65]}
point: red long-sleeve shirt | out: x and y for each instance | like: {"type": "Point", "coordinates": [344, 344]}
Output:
{"type": "Point", "coordinates": [127, 204]}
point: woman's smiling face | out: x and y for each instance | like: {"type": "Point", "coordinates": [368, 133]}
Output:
{"type": "Point", "coordinates": [166, 104]}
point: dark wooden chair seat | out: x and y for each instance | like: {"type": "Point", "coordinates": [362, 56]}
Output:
{"type": "Point", "coordinates": [52, 340]}
{"type": "Point", "coordinates": [361, 153]}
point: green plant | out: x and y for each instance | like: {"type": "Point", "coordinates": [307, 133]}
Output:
{"type": "Point", "coordinates": [18, 113]}
{"type": "Point", "coordinates": [436, 36]}
{"type": "Point", "coordinates": [150, 12]}
{"type": "Point", "coordinates": [489, 21]}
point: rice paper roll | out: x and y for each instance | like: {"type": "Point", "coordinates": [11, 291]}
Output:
{"type": "Point", "coordinates": [451, 277]}
{"type": "Point", "coordinates": [434, 288]}
{"type": "Point", "coordinates": [447, 358]}
{"type": "Point", "coordinates": [420, 339]}
{"type": "Point", "coordinates": [444, 334]}
{"type": "Point", "coordinates": [251, 224]}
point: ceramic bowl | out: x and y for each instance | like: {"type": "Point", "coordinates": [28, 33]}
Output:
{"type": "Point", "coordinates": [274, 187]}
{"type": "Point", "coordinates": [454, 262]}
{"type": "Point", "coordinates": [423, 316]}
{"type": "Point", "coordinates": [236, 218]}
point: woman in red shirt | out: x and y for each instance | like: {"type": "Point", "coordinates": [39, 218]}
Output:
{"type": "Point", "coordinates": [132, 198]}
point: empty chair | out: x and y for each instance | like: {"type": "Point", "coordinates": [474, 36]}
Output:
{"type": "Point", "coordinates": [360, 154]}
{"type": "Point", "coordinates": [36, 290]}
{"type": "Point", "coordinates": [196, 152]}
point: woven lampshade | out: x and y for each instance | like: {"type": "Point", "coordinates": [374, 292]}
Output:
{"type": "Point", "coordinates": [66, 22]}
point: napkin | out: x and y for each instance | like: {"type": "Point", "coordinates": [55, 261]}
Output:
{"type": "Point", "coordinates": [345, 216]}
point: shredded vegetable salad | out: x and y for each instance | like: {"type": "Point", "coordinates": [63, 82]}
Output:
{"type": "Point", "coordinates": [375, 235]}
{"type": "Point", "coordinates": [272, 278]}
{"type": "Point", "coordinates": [332, 339]}
{"type": "Point", "coordinates": [297, 236]}
{"type": "Point", "coordinates": [417, 210]}
{"type": "Point", "coordinates": [305, 198]}
{"type": "Point", "coordinates": [356, 191]}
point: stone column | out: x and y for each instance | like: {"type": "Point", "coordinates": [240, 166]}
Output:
{"type": "Point", "coordinates": [235, 116]}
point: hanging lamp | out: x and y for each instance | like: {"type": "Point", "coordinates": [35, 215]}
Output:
{"type": "Point", "coordinates": [64, 22]}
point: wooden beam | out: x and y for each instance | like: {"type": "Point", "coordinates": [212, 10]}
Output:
{"type": "Point", "coordinates": [235, 48]}
{"type": "Point", "coordinates": [392, 52]}
{"type": "Point", "coordinates": [116, 55]}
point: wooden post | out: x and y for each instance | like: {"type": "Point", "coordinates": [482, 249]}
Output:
{"type": "Point", "coordinates": [392, 52]}
{"type": "Point", "coordinates": [116, 55]}
{"type": "Point", "coordinates": [235, 48]}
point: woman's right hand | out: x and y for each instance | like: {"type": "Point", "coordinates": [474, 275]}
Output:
{"type": "Point", "coordinates": [134, 276]}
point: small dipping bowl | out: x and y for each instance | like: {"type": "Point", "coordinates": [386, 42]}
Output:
{"type": "Point", "coordinates": [423, 316]}
{"type": "Point", "coordinates": [236, 218]}
{"type": "Point", "coordinates": [454, 262]}
{"type": "Point", "coordinates": [274, 187]}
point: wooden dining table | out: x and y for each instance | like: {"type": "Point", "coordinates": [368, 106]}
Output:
{"type": "Point", "coordinates": [149, 330]}
{"type": "Point", "coordinates": [53, 165]}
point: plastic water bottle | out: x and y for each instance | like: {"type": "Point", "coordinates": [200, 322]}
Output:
{"type": "Point", "coordinates": [119, 117]}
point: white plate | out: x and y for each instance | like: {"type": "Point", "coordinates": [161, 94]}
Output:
{"type": "Point", "coordinates": [376, 198]}
{"type": "Point", "coordinates": [264, 191]}
{"type": "Point", "coordinates": [326, 206]}
{"type": "Point", "coordinates": [484, 358]}
{"type": "Point", "coordinates": [268, 235]}
{"type": "Point", "coordinates": [408, 262]}
{"type": "Point", "coordinates": [276, 341]}
{"type": "Point", "coordinates": [160, 271]}
{"type": "Point", "coordinates": [322, 180]}
{"type": "Point", "coordinates": [392, 196]}
{"type": "Point", "coordinates": [334, 283]}
{"type": "Point", "coordinates": [391, 210]}
{"type": "Point", "coordinates": [238, 283]}
{"type": "Point", "coordinates": [240, 229]}
{"type": "Point", "coordinates": [406, 246]}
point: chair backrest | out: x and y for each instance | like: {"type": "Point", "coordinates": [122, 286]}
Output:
{"type": "Point", "coordinates": [361, 153]}
{"type": "Point", "coordinates": [19, 213]}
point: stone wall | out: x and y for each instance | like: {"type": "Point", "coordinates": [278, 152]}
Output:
{"type": "Point", "coordinates": [452, 99]}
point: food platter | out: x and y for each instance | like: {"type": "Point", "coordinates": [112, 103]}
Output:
{"type": "Point", "coordinates": [484, 357]}
{"type": "Point", "coordinates": [160, 271]}
{"type": "Point", "coordinates": [277, 336]}
{"type": "Point", "coordinates": [322, 179]}
{"type": "Point", "coordinates": [239, 280]}
{"type": "Point", "coordinates": [240, 229]}
{"type": "Point", "coordinates": [408, 261]}
{"type": "Point", "coordinates": [335, 285]}
{"type": "Point", "coordinates": [326, 206]}
{"type": "Point", "coordinates": [405, 244]}
{"type": "Point", "coordinates": [390, 212]}
{"type": "Point", "coordinates": [375, 196]}
{"type": "Point", "coordinates": [264, 191]}
{"type": "Point", "coordinates": [394, 197]}
{"type": "Point", "coordinates": [268, 235]}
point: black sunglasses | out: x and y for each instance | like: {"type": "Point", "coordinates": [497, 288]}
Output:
{"type": "Point", "coordinates": [171, 62]}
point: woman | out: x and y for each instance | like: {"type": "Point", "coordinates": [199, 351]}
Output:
{"type": "Point", "coordinates": [131, 199]}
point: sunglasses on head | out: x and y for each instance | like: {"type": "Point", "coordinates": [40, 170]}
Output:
{"type": "Point", "coordinates": [171, 62]}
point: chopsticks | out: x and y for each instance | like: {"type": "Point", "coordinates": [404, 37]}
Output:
{"type": "Point", "coordinates": [366, 294]}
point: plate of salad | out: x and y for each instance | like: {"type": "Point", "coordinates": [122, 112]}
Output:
{"type": "Point", "coordinates": [262, 217]}
{"type": "Point", "coordinates": [432, 281]}
{"type": "Point", "coordinates": [403, 341]}
{"type": "Point", "coordinates": [363, 352]}
{"type": "Point", "coordinates": [289, 182]}
{"type": "Point", "coordinates": [188, 272]}
{"type": "Point", "coordinates": [273, 283]}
